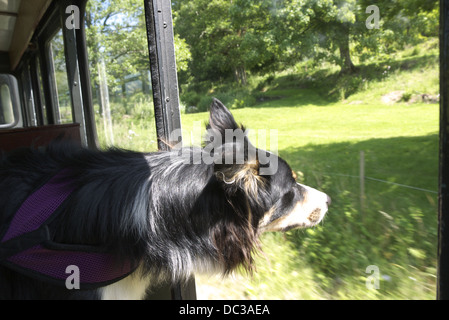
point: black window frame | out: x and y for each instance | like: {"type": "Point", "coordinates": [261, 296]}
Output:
{"type": "Point", "coordinates": [164, 78]}
{"type": "Point", "coordinates": [443, 183]}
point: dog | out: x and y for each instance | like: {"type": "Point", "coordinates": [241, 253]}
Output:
{"type": "Point", "coordinates": [123, 221]}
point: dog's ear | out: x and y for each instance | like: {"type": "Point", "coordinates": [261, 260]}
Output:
{"type": "Point", "coordinates": [238, 167]}
{"type": "Point", "coordinates": [222, 128]}
{"type": "Point", "coordinates": [244, 177]}
{"type": "Point", "coordinates": [220, 118]}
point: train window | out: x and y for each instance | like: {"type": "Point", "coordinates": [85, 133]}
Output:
{"type": "Point", "coordinates": [9, 101]}
{"type": "Point", "coordinates": [6, 115]}
{"type": "Point", "coordinates": [60, 78]}
{"type": "Point", "coordinates": [120, 76]}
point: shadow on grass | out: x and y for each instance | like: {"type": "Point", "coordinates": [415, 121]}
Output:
{"type": "Point", "coordinates": [396, 229]}
{"type": "Point", "coordinates": [293, 98]}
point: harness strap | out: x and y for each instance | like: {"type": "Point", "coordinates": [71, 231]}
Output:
{"type": "Point", "coordinates": [26, 245]}
{"type": "Point", "coordinates": [16, 245]}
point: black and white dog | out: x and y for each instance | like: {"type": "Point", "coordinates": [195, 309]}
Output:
{"type": "Point", "coordinates": [126, 220]}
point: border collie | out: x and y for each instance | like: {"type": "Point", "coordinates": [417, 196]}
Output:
{"type": "Point", "coordinates": [122, 221]}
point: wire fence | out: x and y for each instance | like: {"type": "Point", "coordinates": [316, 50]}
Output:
{"type": "Point", "coordinates": [378, 180]}
{"type": "Point", "coordinates": [362, 177]}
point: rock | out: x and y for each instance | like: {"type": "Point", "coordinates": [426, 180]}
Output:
{"type": "Point", "coordinates": [392, 97]}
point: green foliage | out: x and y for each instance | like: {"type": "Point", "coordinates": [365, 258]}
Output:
{"type": "Point", "coordinates": [226, 38]}
{"type": "Point", "coordinates": [229, 39]}
{"type": "Point", "coordinates": [406, 96]}
{"type": "Point", "coordinates": [116, 34]}
{"type": "Point", "coordinates": [133, 129]}
{"type": "Point", "coordinates": [396, 225]}
{"type": "Point", "coordinates": [234, 98]}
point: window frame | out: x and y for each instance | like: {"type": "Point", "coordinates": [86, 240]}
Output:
{"type": "Point", "coordinates": [12, 83]}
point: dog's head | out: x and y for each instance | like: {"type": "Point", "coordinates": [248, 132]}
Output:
{"type": "Point", "coordinates": [259, 186]}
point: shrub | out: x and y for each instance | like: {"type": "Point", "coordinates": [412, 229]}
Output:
{"type": "Point", "coordinates": [406, 96]}
{"type": "Point", "coordinates": [233, 98]}
{"type": "Point", "coordinates": [190, 98]}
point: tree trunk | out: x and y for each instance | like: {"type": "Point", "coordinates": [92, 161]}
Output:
{"type": "Point", "coordinates": [243, 76]}
{"type": "Point", "coordinates": [240, 75]}
{"type": "Point", "coordinates": [346, 63]}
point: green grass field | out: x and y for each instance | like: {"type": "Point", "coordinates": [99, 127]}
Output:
{"type": "Point", "coordinates": [324, 121]}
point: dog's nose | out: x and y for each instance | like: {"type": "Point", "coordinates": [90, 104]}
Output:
{"type": "Point", "coordinates": [328, 201]}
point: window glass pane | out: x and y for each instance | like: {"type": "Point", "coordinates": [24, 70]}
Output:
{"type": "Point", "coordinates": [119, 67]}
{"type": "Point", "coordinates": [6, 111]}
{"type": "Point", "coordinates": [60, 77]}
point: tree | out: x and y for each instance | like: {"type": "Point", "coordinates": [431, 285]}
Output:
{"type": "Point", "coordinates": [226, 38]}
{"type": "Point", "coordinates": [336, 29]}
{"type": "Point", "coordinates": [116, 34]}
{"type": "Point", "coordinates": [233, 37]}
{"type": "Point", "coordinates": [230, 38]}
{"type": "Point", "coordinates": [329, 26]}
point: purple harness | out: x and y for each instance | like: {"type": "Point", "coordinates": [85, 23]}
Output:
{"type": "Point", "coordinates": [27, 248]}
